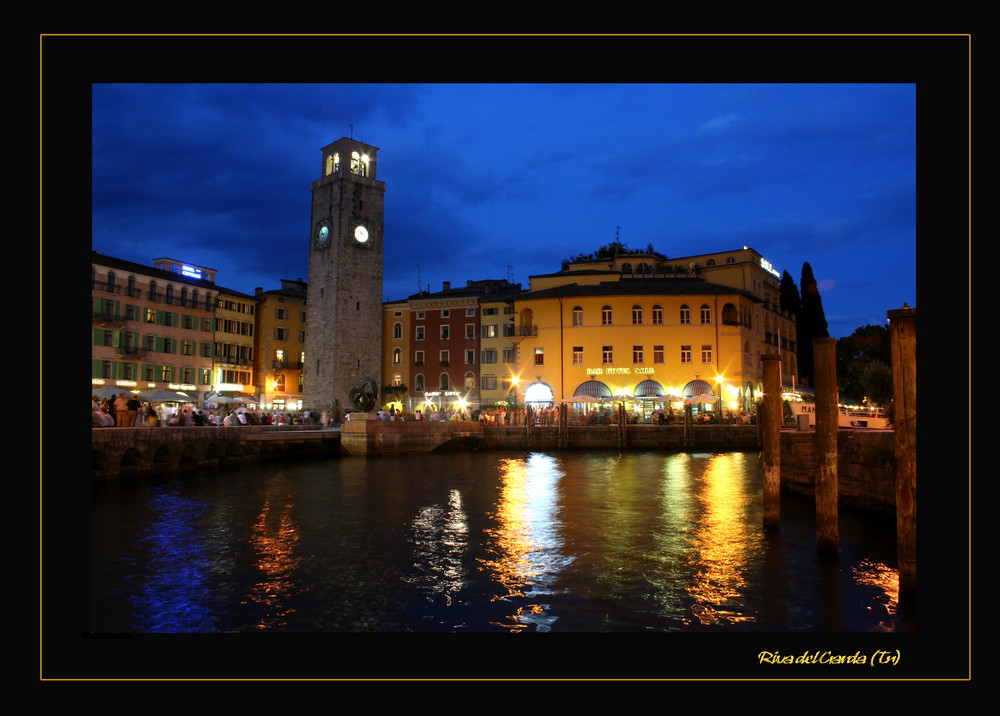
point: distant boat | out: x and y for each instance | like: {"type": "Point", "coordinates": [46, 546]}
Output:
{"type": "Point", "coordinates": [848, 417]}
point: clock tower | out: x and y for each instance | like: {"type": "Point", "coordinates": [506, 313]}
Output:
{"type": "Point", "coordinates": [344, 295]}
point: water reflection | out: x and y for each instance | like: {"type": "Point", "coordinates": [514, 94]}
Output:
{"type": "Point", "coordinates": [724, 541]}
{"type": "Point", "coordinates": [440, 537]}
{"type": "Point", "coordinates": [273, 538]}
{"type": "Point", "coordinates": [175, 563]}
{"type": "Point", "coordinates": [525, 547]}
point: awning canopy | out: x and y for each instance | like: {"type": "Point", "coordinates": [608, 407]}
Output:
{"type": "Point", "coordinates": [593, 388]}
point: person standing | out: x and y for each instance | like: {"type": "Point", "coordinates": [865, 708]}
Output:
{"type": "Point", "coordinates": [132, 406]}
{"type": "Point", "coordinates": [121, 410]}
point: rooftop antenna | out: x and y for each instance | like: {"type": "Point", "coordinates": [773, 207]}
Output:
{"type": "Point", "coordinates": [352, 130]}
{"type": "Point", "coordinates": [418, 278]}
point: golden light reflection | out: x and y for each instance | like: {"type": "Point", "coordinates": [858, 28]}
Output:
{"type": "Point", "coordinates": [274, 538]}
{"type": "Point", "coordinates": [722, 543]}
{"type": "Point", "coordinates": [526, 541]}
{"type": "Point", "coordinates": [886, 579]}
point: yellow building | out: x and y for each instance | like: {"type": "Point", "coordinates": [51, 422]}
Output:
{"type": "Point", "coordinates": [279, 346]}
{"type": "Point", "coordinates": [395, 354]}
{"type": "Point", "coordinates": [633, 325]}
{"type": "Point", "coordinates": [234, 342]}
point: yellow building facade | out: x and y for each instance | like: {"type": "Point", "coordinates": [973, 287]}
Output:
{"type": "Point", "coordinates": [631, 327]}
{"type": "Point", "coordinates": [279, 346]}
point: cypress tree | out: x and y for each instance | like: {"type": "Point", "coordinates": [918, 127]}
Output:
{"type": "Point", "coordinates": [811, 323]}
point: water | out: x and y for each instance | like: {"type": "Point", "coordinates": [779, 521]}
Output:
{"type": "Point", "coordinates": [480, 543]}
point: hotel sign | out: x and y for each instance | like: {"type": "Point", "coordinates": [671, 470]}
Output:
{"type": "Point", "coordinates": [766, 265]}
{"type": "Point", "coordinates": [620, 371]}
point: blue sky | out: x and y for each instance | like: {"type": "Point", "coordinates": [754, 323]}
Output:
{"type": "Point", "coordinates": [506, 180]}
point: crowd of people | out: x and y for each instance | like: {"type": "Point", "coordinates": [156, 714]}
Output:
{"type": "Point", "coordinates": [126, 410]}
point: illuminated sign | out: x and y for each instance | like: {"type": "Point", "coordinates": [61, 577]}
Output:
{"type": "Point", "coordinates": [620, 371]}
{"type": "Point", "coordinates": [190, 271]}
{"type": "Point", "coordinates": [766, 265]}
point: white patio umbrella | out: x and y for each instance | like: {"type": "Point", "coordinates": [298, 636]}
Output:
{"type": "Point", "coordinates": [106, 391]}
{"type": "Point", "coordinates": [161, 395]}
{"type": "Point", "coordinates": [703, 398]}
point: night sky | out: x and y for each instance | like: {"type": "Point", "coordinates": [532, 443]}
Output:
{"type": "Point", "coordinates": [505, 180]}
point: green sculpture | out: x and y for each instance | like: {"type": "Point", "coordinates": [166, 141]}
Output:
{"type": "Point", "coordinates": [364, 396]}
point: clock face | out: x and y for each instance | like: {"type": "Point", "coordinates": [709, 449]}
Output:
{"type": "Point", "coordinates": [361, 234]}
{"type": "Point", "coordinates": [323, 235]}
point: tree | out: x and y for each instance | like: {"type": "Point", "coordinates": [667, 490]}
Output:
{"type": "Point", "coordinates": [859, 356]}
{"type": "Point", "coordinates": [789, 295]}
{"type": "Point", "coordinates": [811, 323]}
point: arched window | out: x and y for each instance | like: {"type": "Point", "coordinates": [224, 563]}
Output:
{"type": "Point", "coordinates": [418, 382]}
{"type": "Point", "coordinates": [194, 299]}
{"type": "Point", "coordinates": [627, 268]}
{"type": "Point", "coordinates": [657, 315]}
{"type": "Point", "coordinates": [470, 381]}
{"type": "Point", "coordinates": [130, 286]}
{"type": "Point", "coordinates": [111, 282]}
{"type": "Point", "coordinates": [397, 330]}
{"type": "Point", "coordinates": [685, 314]}
{"type": "Point", "coordinates": [637, 315]}
{"type": "Point", "coordinates": [645, 268]}
{"type": "Point", "coordinates": [397, 356]}
{"type": "Point", "coordinates": [606, 316]}
{"type": "Point", "coordinates": [577, 316]}
{"type": "Point", "coordinates": [445, 382]}
{"type": "Point", "coordinates": [706, 314]}
{"type": "Point", "coordinates": [168, 294]}
{"type": "Point", "coordinates": [710, 262]}
{"type": "Point", "coordinates": [184, 295]}
{"type": "Point", "coordinates": [359, 164]}
{"type": "Point", "coordinates": [152, 291]}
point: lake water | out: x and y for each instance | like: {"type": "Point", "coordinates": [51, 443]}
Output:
{"type": "Point", "coordinates": [480, 542]}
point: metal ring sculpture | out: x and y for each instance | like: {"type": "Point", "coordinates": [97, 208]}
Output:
{"type": "Point", "coordinates": [363, 397]}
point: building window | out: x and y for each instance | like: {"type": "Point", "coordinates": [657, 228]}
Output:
{"type": "Point", "coordinates": [608, 355]}
{"type": "Point", "coordinates": [606, 316]}
{"type": "Point", "coordinates": [420, 333]}
{"type": "Point", "coordinates": [397, 380]}
{"type": "Point", "coordinates": [443, 358]}
{"type": "Point", "coordinates": [685, 354]}
{"type": "Point", "coordinates": [470, 381]}
{"type": "Point", "coordinates": [397, 356]}
{"type": "Point", "coordinates": [488, 382]}
{"type": "Point", "coordinates": [577, 355]}
{"type": "Point", "coordinates": [490, 330]}
{"type": "Point", "coordinates": [706, 314]}
{"type": "Point", "coordinates": [470, 356]}
{"type": "Point", "coordinates": [636, 315]}
{"type": "Point", "coordinates": [706, 354]}
{"type": "Point", "coordinates": [685, 314]}
{"type": "Point", "coordinates": [577, 316]}
{"type": "Point", "coordinates": [418, 382]}
{"type": "Point", "coordinates": [470, 331]}
{"type": "Point", "coordinates": [637, 355]}
{"type": "Point", "coordinates": [539, 356]}
{"type": "Point", "coordinates": [445, 313]}
{"type": "Point", "coordinates": [418, 358]}
{"type": "Point", "coordinates": [445, 382]}
{"type": "Point", "coordinates": [397, 330]}
{"type": "Point", "coordinates": [657, 354]}
{"type": "Point", "coordinates": [657, 315]}
{"type": "Point", "coordinates": [445, 332]}
{"type": "Point", "coordinates": [489, 356]}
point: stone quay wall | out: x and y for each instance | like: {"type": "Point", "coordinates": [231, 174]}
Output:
{"type": "Point", "coordinates": [866, 467]}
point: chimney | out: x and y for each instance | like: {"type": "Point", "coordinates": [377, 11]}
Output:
{"type": "Point", "coordinates": [447, 285]}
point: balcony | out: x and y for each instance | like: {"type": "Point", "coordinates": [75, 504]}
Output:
{"type": "Point", "coordinates": [108, 318]}
{"type": "Point", "coordinates": [131, 352]}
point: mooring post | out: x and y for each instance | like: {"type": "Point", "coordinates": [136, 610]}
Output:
{"type": "Point", "coordinates": [827, 421]}
{"type": "Point", "coordinates": [771, 431]}
{"type": "Point", "coordinates": [903, 337]}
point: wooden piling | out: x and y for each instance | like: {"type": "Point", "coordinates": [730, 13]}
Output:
{"type": "Point", "coordinates": [770, 420]}
{"type": "Point", "coordinates": [903, 337]}
{"type": "Point", "coordinates": [827, 421]}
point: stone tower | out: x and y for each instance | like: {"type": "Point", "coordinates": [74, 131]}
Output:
{"type": "Point", "coordinates": [344, 304]}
